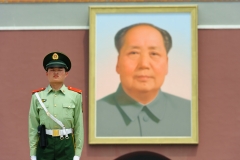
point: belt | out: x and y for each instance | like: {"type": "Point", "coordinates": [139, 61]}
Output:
{"type": "Point", "coordinates": [58, 132]}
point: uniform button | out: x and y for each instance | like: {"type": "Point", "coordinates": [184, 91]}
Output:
{"type": "Point", "coordinates": [145, 118]}
{"type": "Point", "coordinates": [55, 95]}
{"type": "Point", "coordinates": [55, 115]}
{"type": "Point", "coordinates": [55, 105]}
{"type": "Point", "coordinates": [68, 106]}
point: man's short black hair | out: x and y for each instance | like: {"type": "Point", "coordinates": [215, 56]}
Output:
{"type": "Point", "coordinates": [119, 37]}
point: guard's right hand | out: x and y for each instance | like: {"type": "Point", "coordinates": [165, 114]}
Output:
{"type": "Point", "coordinates": [33, 158]}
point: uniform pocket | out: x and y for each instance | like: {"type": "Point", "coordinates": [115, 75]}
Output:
{"type": "Point", "coordinates": [68, 110]}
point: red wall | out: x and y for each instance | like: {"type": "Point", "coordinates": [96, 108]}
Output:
{"type": "Point", "coordinates": [219, 89]}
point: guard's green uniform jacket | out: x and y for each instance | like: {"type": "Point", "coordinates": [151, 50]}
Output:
{"type": "Point", "coordinates": [66, 106]}
{"type": "Point", "coordinates": [120, 115]}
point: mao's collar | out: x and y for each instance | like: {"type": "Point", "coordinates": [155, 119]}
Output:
{"type": "Point", "coordinates": [132, 108]}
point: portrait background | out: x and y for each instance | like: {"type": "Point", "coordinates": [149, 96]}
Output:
{"type": "Point", "coordinates": [178, 80]}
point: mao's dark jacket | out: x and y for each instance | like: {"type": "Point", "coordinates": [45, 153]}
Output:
{"type": "Point", "coordinates": [120, 115]}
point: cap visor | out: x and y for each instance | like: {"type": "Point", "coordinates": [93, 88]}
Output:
{"type": "Point", "coordinates": [56, 64]}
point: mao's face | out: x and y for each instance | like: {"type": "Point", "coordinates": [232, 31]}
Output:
{"type": "Point", "coordinates": [142, 61]}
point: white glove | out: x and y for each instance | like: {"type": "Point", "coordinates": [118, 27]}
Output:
{"type": "Point", "coordinates": [76, 158]}
{"type": "Point", "coordinates": [33, 158]}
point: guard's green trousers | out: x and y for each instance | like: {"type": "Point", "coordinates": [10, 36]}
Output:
{"type": "Point", "coordinates": [57, 149]}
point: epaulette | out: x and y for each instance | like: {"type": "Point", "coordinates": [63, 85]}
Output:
{"type": "Point", "coordinates": [75, 90]}
{"type": "Point", "coordinates": [38, 90]}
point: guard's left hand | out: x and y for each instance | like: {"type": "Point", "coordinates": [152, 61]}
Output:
{"type": "Point", "coordinates": [76, 158]}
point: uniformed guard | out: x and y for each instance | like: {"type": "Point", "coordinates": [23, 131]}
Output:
{"type": "Point", "coordinates": [55, 115]}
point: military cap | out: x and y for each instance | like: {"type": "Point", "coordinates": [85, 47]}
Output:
{"type": "Point", "coordinates": [56, 59]}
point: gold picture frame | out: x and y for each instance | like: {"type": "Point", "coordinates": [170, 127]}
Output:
{"type": "Point", "coordinates": [181, 23]}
